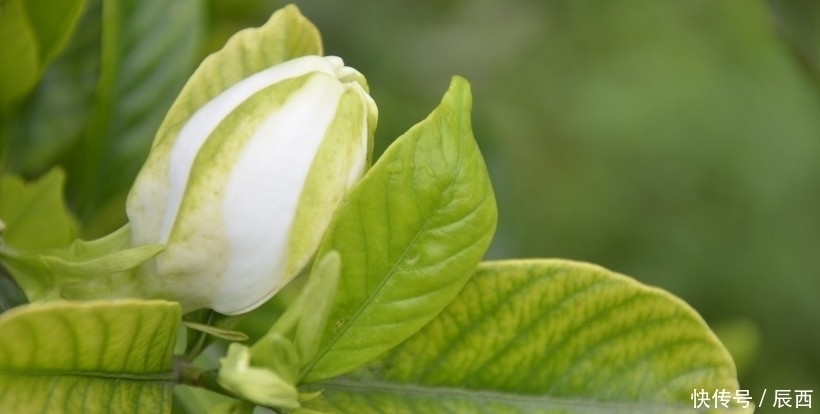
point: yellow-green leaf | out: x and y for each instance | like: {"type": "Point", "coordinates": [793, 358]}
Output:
{"type": "Point", "coordinates": [409, 234]}
{"type": "Point", "coordinates": [545, 336]}
{"type": "Point", "coordinates": [88, 357]}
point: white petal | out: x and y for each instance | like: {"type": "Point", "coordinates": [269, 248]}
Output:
{"type": "Point", "coordinates": [200, 126]}
{"type": "Point", "coordinates": [263, 193]}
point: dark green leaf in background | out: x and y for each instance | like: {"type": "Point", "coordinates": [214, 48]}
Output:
{"type": "Point", "coordinates": [148, 48]}
{"type": "Point", "coordinates": [409, 235]}
{"type": "Point", "coordinates": [19, 67]}
{"type": "Point", "coordinates": [545, 336]}
{"type": "Point", "coordinates": [100, 104]}
{"type": "Point", "coordinates": [798, 21]}
{"type": "Point", "coordinates": [90, 357]}
{"type": "Point", "coordinates": [46, 124]}
{"type": "Point", "coordinates": [33, 32]}
{"type": "Point", "coordinates": [10, 293]}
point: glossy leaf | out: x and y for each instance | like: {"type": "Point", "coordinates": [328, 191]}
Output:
{"type": "Point", "coordinates": [410, 234]}
{"type": "Point", "coordinates": [33, 213]}
{"type": "Point", "coordinates": [89, 357]}
{"type": "Point", "coordinates": [545, 336]}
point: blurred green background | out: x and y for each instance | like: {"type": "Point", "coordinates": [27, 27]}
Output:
{"type": "Point", "coordinates": [675, 142]}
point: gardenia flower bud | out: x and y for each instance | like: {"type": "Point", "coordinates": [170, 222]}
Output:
{"type": "Point", "coordinates": [242, 193]}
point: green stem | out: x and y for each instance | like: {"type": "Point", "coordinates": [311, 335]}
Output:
{"type": "Point", "coordinates": [189, 374]}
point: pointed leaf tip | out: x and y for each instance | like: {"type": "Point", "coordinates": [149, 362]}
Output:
{"type": "Point", "coordinates": [405, 260]}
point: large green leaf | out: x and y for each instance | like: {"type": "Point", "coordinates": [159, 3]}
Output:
{"type": "Point", "coordinates": [33, 31]}
{"type": "Point", "coordinates": [545, 336]}
{"type": "Point", "coordinates": [33, 214]}
{"type": "Point", "coordinates": [148, 49]}
{"type": "Point", "coordinates": [88, 357]}
{"type": "Point", "coordinates": [410, 234]}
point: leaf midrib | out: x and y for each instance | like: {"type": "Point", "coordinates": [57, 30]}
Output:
{"type": "Point", "coordinates": [168, 376]}
{"type": "Point", "coordinates": [456, 174]}
{"type": "Point", "coordinates": [478, 396]}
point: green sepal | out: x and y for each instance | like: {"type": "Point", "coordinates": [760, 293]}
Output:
{"type": "Point", "coordinates": [305, 319]}
{"type": "Point", "coordinates": [226, 334]}
{"type": "Point", "coordinates": [279, 354]}
{"type": "Point", "coordinates": [37, 250]}
{"type": "Point", "coordinates": [84, 270]}
{"type": "Point", "coordinates": [276, 360]}
{"type": "Point", "coordinates": [315, 303]}
{"type": "Point", "coordinates": [258, 385]}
